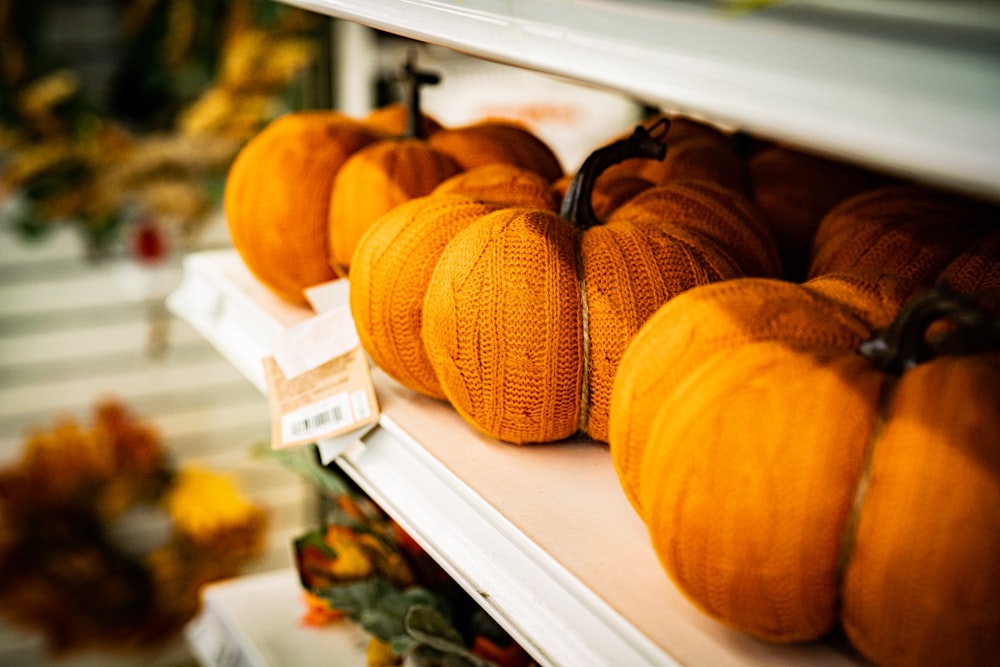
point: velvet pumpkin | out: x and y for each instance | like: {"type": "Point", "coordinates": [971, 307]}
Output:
{"type": "Point", "coordinates": [527, 312]}
{"type": "Point", "coordinates": [277, 196]}
{"type": "Point", "coordinates": [836, 310]}
{"type": "Point", "coordinates": [833, 486]}
{"type": "Point", "coordinates": [910, 230]}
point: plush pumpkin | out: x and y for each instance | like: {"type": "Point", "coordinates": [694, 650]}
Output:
{"type": "Point", "coordinates": [527, 312]}
{"type": "Point", "coordinates": [498, 141]}
{"type": "Point", "coordinates": [909, 230]}
{"type": "Point", "coordinates": [698, 151]}
{"type": "Point", "coordinates": [838, 310]}
{"type": "Point", "coordinates": [977, 269]}
{"type": "Point", "coordinates": [794, 191]}
{"type": "Point", "coordinates": [791, 485]}
{"type": "Point", "coordinates": [393, 171]}
{"type": "Point", "coordinates": [528, 323]}
{"type": "Point", "coordinates": [393, 262]}
{"type": "Point", "coordinates": [277, 196]}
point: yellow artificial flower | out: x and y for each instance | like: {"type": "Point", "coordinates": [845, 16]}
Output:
{"type": "Point", "coordinates": [202, 503]}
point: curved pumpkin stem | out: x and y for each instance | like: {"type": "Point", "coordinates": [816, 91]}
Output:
{"type": "Point", "coordinates": [577, 207]}
{"type": "Point", "coordinates": [904, 343]}
{"type": "Point", "coordinates": [412, 78]}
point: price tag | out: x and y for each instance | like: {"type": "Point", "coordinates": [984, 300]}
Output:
{"type": "Point", "coordinates": [319, 382]}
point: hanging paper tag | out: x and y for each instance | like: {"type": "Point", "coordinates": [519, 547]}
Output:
{"type": "Point", "coordinates": [319, 382]}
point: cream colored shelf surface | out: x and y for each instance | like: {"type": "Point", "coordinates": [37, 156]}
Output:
{"type": "Point", "coordinates": [254, 621]}
{"type": "Point", "coordinates": [541, 536]}
{"type": "Point", "coordinates": [908, 86]}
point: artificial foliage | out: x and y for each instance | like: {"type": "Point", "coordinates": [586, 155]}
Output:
{"type": "Point", "coordinates": [191, 83]}
{"type": "Point", "coordinates": [360, 566]}
{"type": "Point", "coordinates": [105, 543]}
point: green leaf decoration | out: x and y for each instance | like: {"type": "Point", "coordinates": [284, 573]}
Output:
{"type": "Point", "coordinates": [428, 627]}
{"type": "Point", "coordinates": [314, 539]}
{"type": "Point", "coordinates": [302, 460]}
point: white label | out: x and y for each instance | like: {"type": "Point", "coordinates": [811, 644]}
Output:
{"type": "Point", "coordinates": [315, 341]}
{"type": "Point", "coordinates": [359, 400]}
{"type": "Point", "coordinates": [318, 419]}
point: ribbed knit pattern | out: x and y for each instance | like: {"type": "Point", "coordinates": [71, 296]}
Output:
{"type": "Point", "coordinates": [695, 151]}
{"type": "Point", "coordinates": [923, 581]}
{"type": "Point", "coordinates": [875, 298]}
{"type": "Point", "coordinates": [631, 268]}
{"type": "Point", "coordinates": [707, 321]}
{"type": "Point", "coordinates": [494, 141]}
{"type": "Point", "coordinates": [719, 215]}
{"type": "Point", "coordinates": [503, 184]}
{"type": "Point", "coordinates": [390, 271]}
{"type": "Point", "coordinates": [978, 267]}
{"type": "Point", "coordinates": [375, 180]}
{"type": "Point", "coordinates": [502, 326]}
{"type": "Point", "coordinates": [749, 480]}
{"type": "Point", "coordinates": [277, 196]}
{"type": "Point", "coordinates": [794, 191]}
{"type": "Point", "coordinates": [907, 230]}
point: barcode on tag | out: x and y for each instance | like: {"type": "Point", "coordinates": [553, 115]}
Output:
{"type": "Point", "coordinates": [317, 419]}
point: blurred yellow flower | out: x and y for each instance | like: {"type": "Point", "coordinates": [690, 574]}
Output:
{"type": "Point", "coordinates": [202, 502]}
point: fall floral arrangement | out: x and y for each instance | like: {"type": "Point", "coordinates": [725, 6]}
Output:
{"type": "Point", "coordinates": [360, 566]}
{"type": "Point", "coordinates": [105, 544]}
{"type": "Point", "coordinates": [139, 170]}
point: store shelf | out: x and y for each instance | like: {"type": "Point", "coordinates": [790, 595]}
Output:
{"type": "Point", "coordinates": [254, 621]}
{"type": "Point", "coordinates": [541, 536]}
{"type": "Point", "coordinates": [908, 86]}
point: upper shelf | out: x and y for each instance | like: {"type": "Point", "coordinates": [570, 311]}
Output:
{"type": "Point", "coordinates": [907, 86]}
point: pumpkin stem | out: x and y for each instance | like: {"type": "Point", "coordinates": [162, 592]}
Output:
{"type": "Point", "coordinates": [903, 344]}
{"type": "Point", "coordinates": [411, 79]}
{"type": "Point", "coordinates": [577, 207]}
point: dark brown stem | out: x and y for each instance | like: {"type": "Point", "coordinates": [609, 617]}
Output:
{"type": "Point", "coordinates": [903, 344]}
{"type": "Point", "coordinates": [411, 79]}
{"type": "Point", "coordinates": [577, 207]}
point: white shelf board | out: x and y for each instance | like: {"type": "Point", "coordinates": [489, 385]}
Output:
{"type": "Point", "coordinates": [913, 89]}
{"type": "Point", "coordinates": [541, 536]}
{"type": "Point", "coordinates": [255, 621]}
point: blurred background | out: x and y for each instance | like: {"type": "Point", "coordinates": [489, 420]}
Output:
{"type": "Point", "coordinates": [118, 121]}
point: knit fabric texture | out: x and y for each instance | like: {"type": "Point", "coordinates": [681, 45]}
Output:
{"type": "Point", "coordinates": [494, 141]}
{"type": "Point", "coordinates": [277, 196]}
{"type": "Point", "coordinates": [503, 184]}
{"type": "Point", "coordinates": [707, 321]}
{"type": "Point", "coordinates": [977, 269]}
{"type": "Point", "coordinates": [749, 481]}
{"type": "Point", "coordinates": [375, 180]}
{"type": "Point", "coordinates": [390, 270]}
{"type": "Point", "coordinates": [922, 585]}
{"type": "Point", "coordinates": [906, 230]}
{"type": "Point", "coordinates": [502, 326]}
{"type": "Point", "coordinates": [794, 191]}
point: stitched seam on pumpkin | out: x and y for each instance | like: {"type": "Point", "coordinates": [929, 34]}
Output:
{"type": "Point", "coordinates": [848, 536]}
{"type": "Point", "coordinates": [581, 280]}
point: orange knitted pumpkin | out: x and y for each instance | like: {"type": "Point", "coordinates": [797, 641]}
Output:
{"type": "Point", "coordinates": [393, 262]}
{"type": "Point", "coordinates": [793, 484]}
{"type": "Point", "coordinates": [277, 197]}
{"type": "Point", "coordinates": [838, 310]}
{"type": "Point", "coordinates": [388, 173]}
{"type": "Point", "coordinates": [909, 230]}
{"type": "Point", "coordinates": [698, 151]}
{"type": "Point", "coordinates": [528, 312]}
{"type": "Point", "coordinates": [794, 191]}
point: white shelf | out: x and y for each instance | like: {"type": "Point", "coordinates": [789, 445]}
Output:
{"type": "Point", "coordinates": [908, 86]}
{"type": "Point", "coordinates": [541, 536]}
{"type": "Point", "coordinates": [254, 621]}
